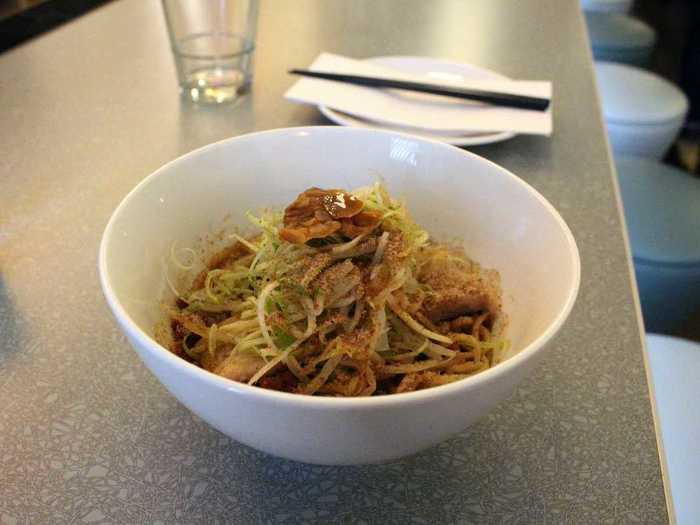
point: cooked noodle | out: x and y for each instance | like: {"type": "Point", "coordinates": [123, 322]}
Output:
{"type": "Point", "coordinates": [342, 295]}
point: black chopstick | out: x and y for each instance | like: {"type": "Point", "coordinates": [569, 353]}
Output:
{"type": "Point", "coordinates": [490, 97]}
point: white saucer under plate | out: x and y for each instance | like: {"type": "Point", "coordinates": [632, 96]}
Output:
{"type": "Point", "coordinates": [435, 70]}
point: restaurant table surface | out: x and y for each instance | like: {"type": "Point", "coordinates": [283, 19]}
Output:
{"type": "Point", "coordinates": [86, 432]}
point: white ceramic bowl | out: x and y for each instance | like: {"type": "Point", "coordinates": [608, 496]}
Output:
{"type": "Point", "coordinates": [503, 222]}
{"type": "Point", "coordinates": [644, 140]}
{"type": "Point", "coordinates": [643, 112]}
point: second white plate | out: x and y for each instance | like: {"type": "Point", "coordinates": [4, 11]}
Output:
{"type": "Point", "coordinates": [435, 70]}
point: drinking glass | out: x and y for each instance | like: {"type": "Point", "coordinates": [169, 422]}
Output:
{"type": "Point", "coordinates": [213, 42]}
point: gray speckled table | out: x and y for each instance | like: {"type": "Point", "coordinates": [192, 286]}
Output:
{"type": "Point", "coordinates": [87, 435]}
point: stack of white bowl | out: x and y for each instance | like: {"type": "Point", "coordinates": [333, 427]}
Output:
{"type": "Point", "coordinates": [644, 114]}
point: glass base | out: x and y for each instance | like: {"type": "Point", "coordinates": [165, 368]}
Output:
{"type": "Point", "coordinates": [216, 85]}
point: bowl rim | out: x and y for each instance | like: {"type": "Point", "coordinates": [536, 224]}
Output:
{"type": "Point", "coordinates": [147, 342]}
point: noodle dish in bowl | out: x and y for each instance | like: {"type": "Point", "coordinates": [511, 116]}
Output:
{"type": "Point", "coordinates": [338, 295]}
